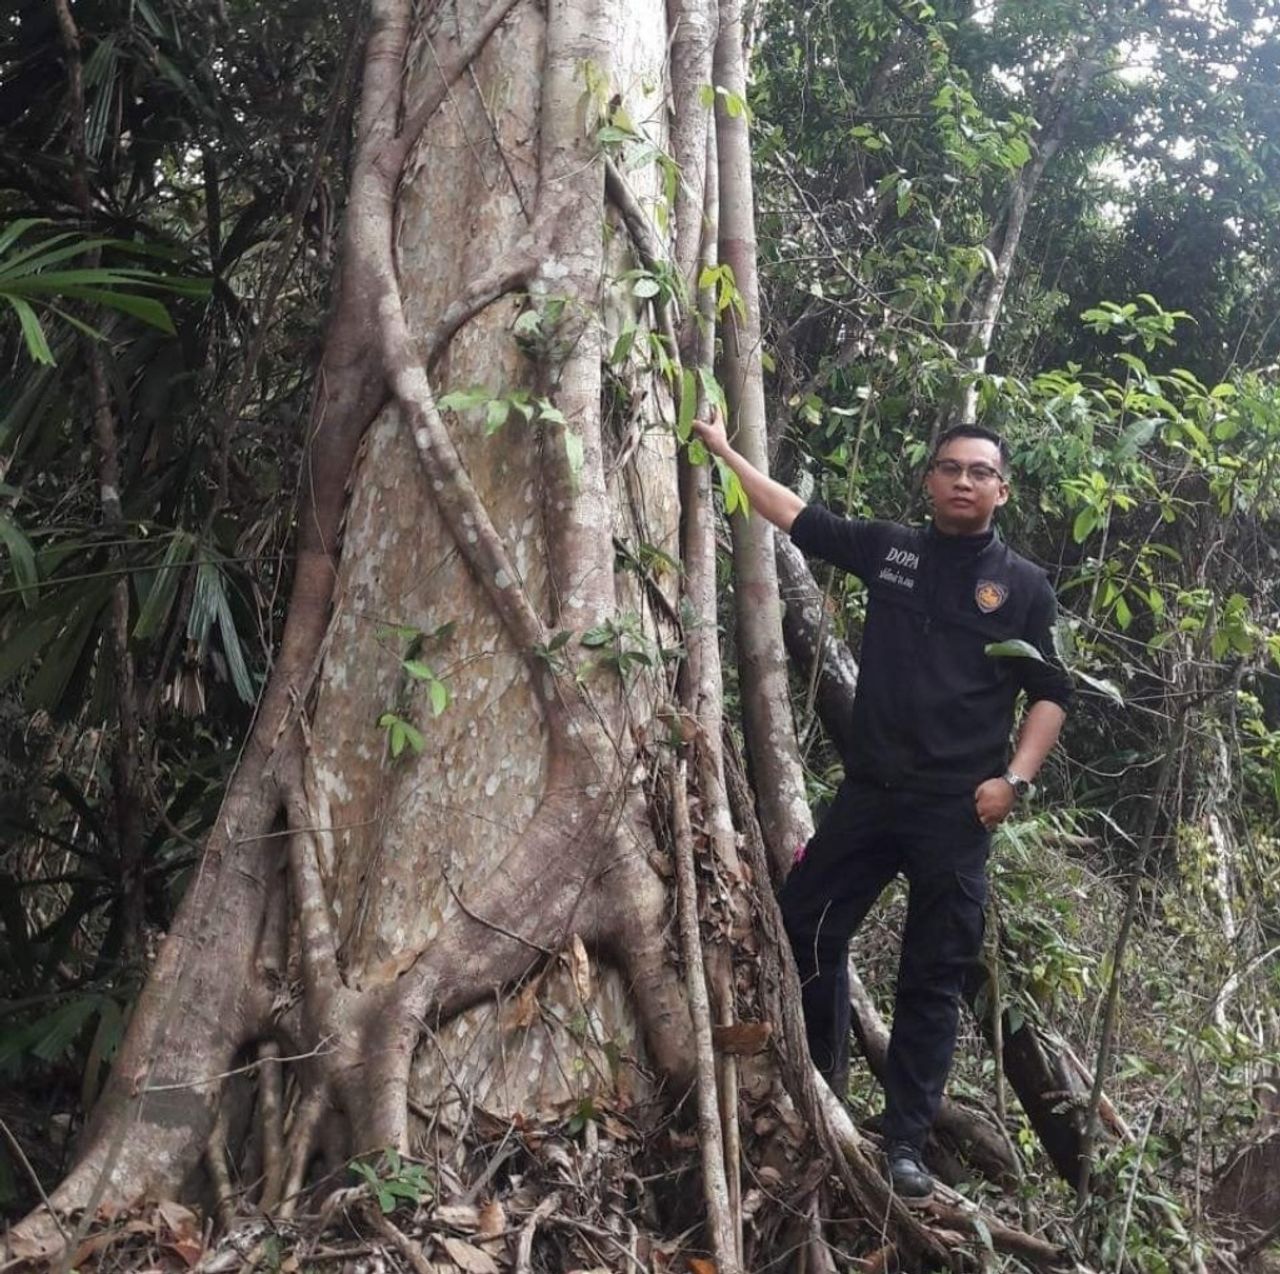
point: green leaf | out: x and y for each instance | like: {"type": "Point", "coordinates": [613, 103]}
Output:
{"type": "Point", "coordinates": [712, 390]}
{"type": "Point", "coordinates": [464, 399]}
{"type": "Point", "coordinates": [164, 585]}
{"type": "Point", "coordinates": [623, 345]}
{"type": "Point", "coordinates": [416, 668]}
{"type": "Point", "coordinates": [32, 332]}
{"type": "Point", "coordinates": [62, 656]}
{"type": "Point", "coordinates": [16, 229]}
{"type": "Point", "coordinates": [645, 286]}
{"type": "Point", "coordinates": [1083, 526]}
{"type": "Point", "coordinates": [439, 693]}
{"type": "Point", "coordinates": [231, 647]}
{"type": "Point", "coordinates": [22, 644]}
{"type": "Point", "coordinates": [688, 405]}
{"type": "Point", "coordinates": [735, 496]}
{"type": "Point", "coordinates": [1101, 685]}
{"type": "Point", "coordinates": [1124, 616]}
{"type": "Point", "coordinates": [550, 413]}
{"type": "Point", "coordinates": [145, 308]}
{"type": "Point", "coordinates": [495, 415]}
{"type": "Point", "coordinates": [59, 1030]}
{"type": "Point", "coordinates": [22, 558]}
{"type": "Point", "coordinates": [1015, 648]}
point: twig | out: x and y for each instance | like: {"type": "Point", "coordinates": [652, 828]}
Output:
{"type": "Point", "coordinates": [492, 924]}
{"type": "Point", "coordinates": [728, 1088]}
{"type": "Point", "coordinates": [35, 1180]}
{"type": "Point", "coordinates": [1254, 1246]}
{"type": "Point", "coordinates": [1133, 1191]}
{"type": "Point", "coordinates": [320, 1050]}
{"type": "Point", "coordinates": [573, 1223]}
{"type": "Point", "coordinates": [524, 1249]}
{"type": "Point", "coordinates": [1084, 1179]}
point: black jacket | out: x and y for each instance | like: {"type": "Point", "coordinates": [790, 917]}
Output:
{"type": "Point", "coordinates": [933, 711]}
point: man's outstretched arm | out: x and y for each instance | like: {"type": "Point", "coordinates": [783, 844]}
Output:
{"type": "Point", "coordinates": [770, 499]}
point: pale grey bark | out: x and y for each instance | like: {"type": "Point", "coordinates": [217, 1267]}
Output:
{"type": "Point", "coordinates": [1070, 83]}
{"type": "Point", "coordinates": [770, 731]}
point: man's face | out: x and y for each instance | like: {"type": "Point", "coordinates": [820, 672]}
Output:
{"type": "Point", "coordinates": [966, 486]}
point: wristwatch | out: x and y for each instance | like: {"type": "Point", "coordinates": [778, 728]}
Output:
{"type": "Point", "coordinates": [1021, 787]}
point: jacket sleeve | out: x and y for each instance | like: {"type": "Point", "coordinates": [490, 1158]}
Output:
{"type": "Point", "coordinates": [1047, 680]}
{"type": "Point", "coordinates": [851, 544]}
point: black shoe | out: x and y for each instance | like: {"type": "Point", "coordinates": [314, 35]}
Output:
{"type": "Point", "coordinates": [907, 1175]}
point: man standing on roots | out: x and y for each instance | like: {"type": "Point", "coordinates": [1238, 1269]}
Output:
{"type": "Point", "coordinates": [928, 775]}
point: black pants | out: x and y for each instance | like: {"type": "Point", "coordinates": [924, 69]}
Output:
{"type": "Point", "coordinates": [868, 837]}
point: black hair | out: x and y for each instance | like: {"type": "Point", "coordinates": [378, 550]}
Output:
{"type": "Point", "coordinates": [971, 431]}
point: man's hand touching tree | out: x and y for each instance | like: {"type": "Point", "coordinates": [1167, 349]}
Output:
{"type": "Point", "coordinates": [711, 432]}
{"type": "Point", "coordinates": [770, 499]}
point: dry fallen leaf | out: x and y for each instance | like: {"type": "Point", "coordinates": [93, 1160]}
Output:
{"type": "Point", "coordinates": [189, 1251]}
{"type": "Point", "coordinates": [698, 1265]}
{"type": "Point", "coordinates": [181, 1221]}
{"type": "Point", "coordinates": [493, 1219]}
{"type": "Point", "coordinates": [579, 968]}
{"type": "Point", "coordinates": [525, 1010]}
{"type": "Point", "coordinates": [469, 1258]}
{"type": "Point", "coordinates": [461, 1216]}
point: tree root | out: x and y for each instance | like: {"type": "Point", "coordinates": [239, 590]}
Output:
{"type": "Point", "coordinates": [719, 1207]}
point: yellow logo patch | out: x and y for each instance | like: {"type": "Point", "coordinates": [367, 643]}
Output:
{"type": "Point", "coordinates": [990, 596]}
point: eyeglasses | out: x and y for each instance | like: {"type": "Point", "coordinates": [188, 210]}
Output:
{"type": "Point", "coordinates": [979, 473]}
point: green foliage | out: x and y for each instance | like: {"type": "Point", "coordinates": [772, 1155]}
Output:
{"type": "Point", "coordinates": [622, 645]}
{"type": "Point", "coordinates": [199, 136]}
{"type": "Point", "coordinates": [393, 1179]}
{"type": "Point", "coordinates": [28, 283]}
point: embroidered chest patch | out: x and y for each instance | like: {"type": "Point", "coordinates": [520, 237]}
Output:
{"type": "Point", "coordinates": [989, 595]}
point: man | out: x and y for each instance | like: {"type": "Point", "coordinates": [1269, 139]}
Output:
{"type": "Point", "coordinates": [928, 775]}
